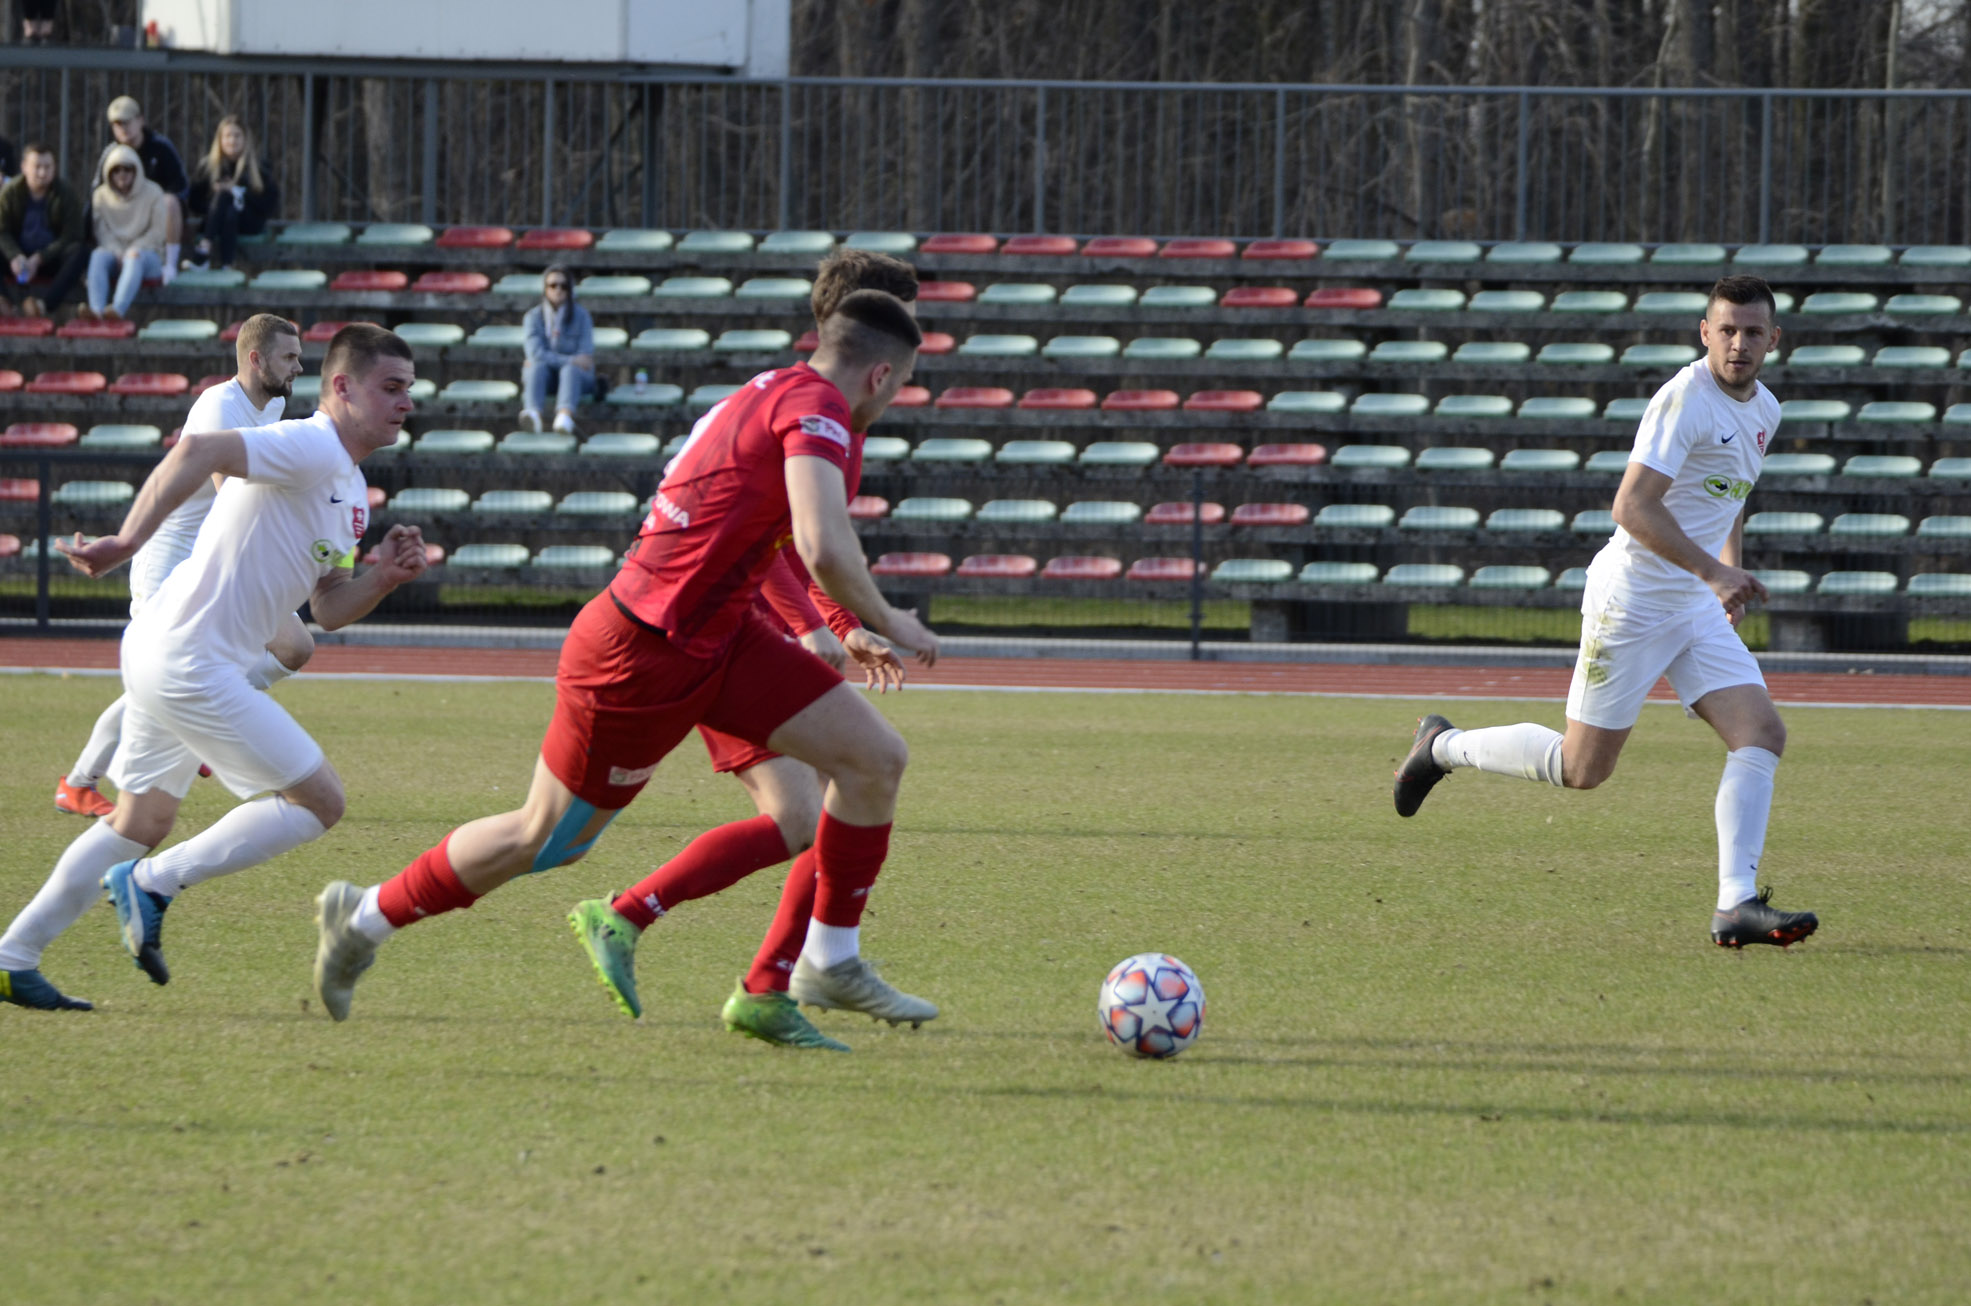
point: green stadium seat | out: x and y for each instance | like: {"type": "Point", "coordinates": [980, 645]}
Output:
{"type": "Point", "coordinates": [1784, 523]}
{"type": "Point", "coordinates": [498, 502]}
{"type": "Point", "coordinates": [500, 557]}
{"type": "Point", "coordinates": [1798, 464]}
{"type": "Point", "coordinates": [430, 335]}
{"type": "Point", "coordinates": [313, 233]}
{"type": "Point", "coordinates": [682, 287]}
{"type": "Point", "coordinates": [1179, 297]}
{"type": "Point", "coordinates": [716, 242]}
{"type": "Point", "coordinates": [1840, 301]}
{"type": "Point", "coordinates": [1826, 356]}
{"type": "Point", "coordinates": [634, 240]}
{"type": "Point", "coordinates": [1595, 522]}
{"type": "Point", "coordinates": [1857, 582]}
{"type": "Point", "coordinates": [1511, 578]}
{"type": "Point", "coordinates": [1493, 353]}
{"type": "Point", "coordinates": [1937, 256]}
{"type": "Point", "coordinates": [1099, 296]}
{"type": "Point", "coordinates": [1018, 292]}
{"type": "Point", "coordinates": [1101, 512]}
{"type": "Point", "coordinates": [1356, 516]}
{"type": "Point", "coordinates": [1589, 301]}
{"type": "Point", "coordinates": [518, 283]}
{"type": "Point", "coordinates": [1452, 458]}
{"type": "Point", "coordinates": [1958, 415]}
{"type": "Point", "coordinates": [479, 392]}
{"type": "Point", "coordinates": [1468, 406]}
{"type": "Point", "coordinates": [576, 557]}
{"type": "Point", "coordinates": [621, 444]}
{"type": "Point", "coordinates": [1307, 401]}
{"type": "Point", "coordinates": [675, 446]}
{"type": "Point", "coordinates": [1163, 348]}
{"type": "Point", "coordinates": [1410, 352]}
{"type": "Point", "coordinates": [653, 394]}
{"type": "Point", "coordinates": [1780, 581]}
{"type": "Point", "coordinates": [1390, 405]}
{"type": "Point", "coordinates": [600, 503]}
{"type": "Point", "coordinates": [680, 340]}
{"type": "Point", "coordinates": [178, 329]}
{"type": "Point", "coordinates": [1360, 251]}
{"type": "Point", "coordinates": [1688, 254]}
{"type": "Point", "coordinates": [121, 436]}
{"type": "Point", "coordinates": [396, 234]}
{"type": "Point", "coordinates": [1430, 517]}
{"type": "Point", "coordinates": [1958, 469]}
{"type": "Point", "coordinates": [1897, 410]}
{"type": "Point", "coordinates": [1443, 251]}
{"type": "Point", "coordinates": [1854, 256]}
{"type": "Point", "coordinates": [1772, 256]}
{"type": "Point", "coordinates": [1000, 346]}
{"type": "Point", "coordinates": [611, 337]}
{"type": "Point", "coordinates": [1869, 525]}
{"type": "Point", "coordinates": [1035, 453]}
{"type": "Point", "coordinates": [1438, 574]}
{"type": "Point", "coordinates": [1507, 301]}
{"type": "Point", "coordinates": [1526, 519]}
{"type": "Point", "coordinates": [1542, 460]}
{"type": "Point", "coordinates": [1601, 253]}
{"type": "Point", "coordinates": [633, 287]}
{"type": "Point", "coordinates": [1417, 299]}
{"type": "Point", "coordinates": [767, 341]}
{"type": "Point", "coordinates": [1577, 353]}
{"type": "Point", "coordinates": [932, 509]}
{"type": "Point", "coordinates": [702, 398]}
{"type": "Point", "coordinates": [288, 280]}
{"type": "Point", "coordinates": [1574, 578]}
{"type": "Point", "coordinates": [1251, 571]}
{"type": "Point", "coordinates": [1945, 528]}
{"type": "Point", "coordinates": [454, 441]}
{"type": "Point", "coordinates": [1926, 356]}
{"type": "Point", "coordinates": [210, 279]}
{"type": "Point", "coordinates": [1245, 351]}
{"type": "Point", "coordinates": [1691, 302]}
{"type": "Point", "coordinates": [1083, 347]}
{"type": "Point", "coordinates": [1016, 512]}
{"type": "Point", "coordinates": [900, 243]}
{"type": "Point", "coordinates": [1558, 408]}
{"type": "Point", "coordinates": [429, 499]}
{"type": "Point", "coordinates": [1607, 462]}
{"type": "Point", "coordinates": [538, 444]}
{"type": "Point", "coordinates": [305, 389]}
{"type": "Point", "coordinates": [950, 450]}
{"type": "Point", "coordinates": [1925, 304]}
{"type": "Point", "coordinates": [885, 449]}
{"type": "Point", "coordinates": [1815, 410]}
{"type": "Point", "coordinates": [1659, 355]}
{"type": "Point", "coordinates": [794, 290]}
{"type": "Point", "coordinates": [1384, 456]}
{"type": "Point", "coordinates": [1939, 585]}
{"type": "Point", "coordinates": [1880, 466]}
{"type": "Point", "coordinates": [1524, 251]}
{"type": "Point", "coordinates": [808, 244]}
{"type": "Point", "coordinates": [1120, 453]}
{"type": "Point", "coordinates": [1338, 573]}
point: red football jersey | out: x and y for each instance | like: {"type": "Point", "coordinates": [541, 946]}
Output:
{"type": "Point", "coordinates": [720, 516]}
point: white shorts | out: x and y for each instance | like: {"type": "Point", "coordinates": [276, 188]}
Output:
{"type": "Point", "coordinates": [174, 721]}
{"type": "Point", "coordinates": [1623, 653]}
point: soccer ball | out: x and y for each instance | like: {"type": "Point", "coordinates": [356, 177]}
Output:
{"type": "Point", "coordinates": [1152, 1005]}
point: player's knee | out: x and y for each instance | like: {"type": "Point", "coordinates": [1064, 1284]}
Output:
{"type": "Point", "coordinates": [1773, 736]}
{"type": "Point", "coordinates": [294, 647]}
{"type": "Point", "coordinates": [1589, 773]}
{"type": "Point", "coordinates": [326, 806]}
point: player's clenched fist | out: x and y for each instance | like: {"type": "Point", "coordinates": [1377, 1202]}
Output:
{"type": "Point", "coordinates": [401, 555]}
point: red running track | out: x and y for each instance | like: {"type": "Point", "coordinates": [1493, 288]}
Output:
{"type": "Point", "coordinates": [1094, 674]}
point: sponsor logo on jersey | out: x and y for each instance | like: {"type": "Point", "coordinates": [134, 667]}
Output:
{"type": "Point", "coordinates": [1726, 487]}
{"type": "Point", "coordinates": [661, 506]}
{"type": "Point", "coordinates": [622, 775]}
{"type": "Point", "coordinates": [827, 428]}
{"type": "Point", "coordinates": [323, 552]}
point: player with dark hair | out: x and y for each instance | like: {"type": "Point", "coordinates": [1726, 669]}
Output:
{"type": "Point", "coordinates": [283, 530]}
{"type": "Point", "coordinates": [1663, 599]}
{"type": "Point", "coordinates": [675, 641]}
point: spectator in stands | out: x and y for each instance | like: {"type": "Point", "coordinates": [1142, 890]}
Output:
{"type": "Point", "coordinates": [161, 163]}
{"type": "Point", "coordinates": [131, 216]}
{"type": "Point", "coordinates": [560, 343]}
{"type": "Point", "coordinates": [38, 21]}
{"type": "Point", "coordinates": [10, 163]}
{"type": "Point", "coordinates": [230, 195]}
{"type": "Point", "coordinates": [42, 234]}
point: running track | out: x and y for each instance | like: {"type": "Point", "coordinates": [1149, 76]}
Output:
{"type": "Point", "coordinates": [1124, 675]}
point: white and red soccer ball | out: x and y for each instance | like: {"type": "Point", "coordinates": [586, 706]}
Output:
{"type": "Point", "coordinates": [1152, 1005]}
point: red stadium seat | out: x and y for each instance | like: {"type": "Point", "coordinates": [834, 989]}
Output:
{"type": "Point", "coordinates": [1225, 401]}
{"type": "Point", "coordinates": [869, 507]}
{"type": "Point", "coordinates": [453, 283]}
{"type": "Point", "coordinates": [937, 342]}
{"type": "Point", "coordinates": [68, 383]}
{"type": "Point", "coordinates": [911, 564]}
{"type": "Point", "coordinates": [19, 489]}
{"type": "Point", "coordinates": [976, 396]}
{"type": "Point", "coordinates": [231, 333]}
{"type": "Point", "coordinates": [1180, 514]}
{"type": "Point", "coordinates": [38, 435]}
{"type": "Point", "coordinates": [946, 292]}
{"type": "Point", "coordinates": [1204, 455]}
{"type": "Point", "coordinates": [1281, 249]}
{"type": "Point", "coordinates": [1057, 400]}
{"type": "Point", "coordinates": [1081, 568]}
{"type": "Point", "coordinates": [557, 238]}
{"type": "Point", "coordinates": [121, 329]}
{"type": "Point", "coordinates": [1139, 401]}
{"type": "Point", "coordinates": [10, 546]}
{"type": "Point", "coordinates": [958, 244]}
{"type": "Point", "coordinates": [322, 332]}
{"type": "Point", "coordinates": [1288, 455]}
{"type": "Point", "coordinates": [475, 238]}
{"type": "Point", "coordinates": [10, 379]}
{"type": "Point", "coordinates": [177, 432]}
{"type": "Point", "coordinates": [205, 383]}
{"type": "Point", "coordinates": [1259, 297]}
{"type": "Point", "coordinates": [378, 497]}
{"type": "Point", "coordinates": [27, 326]}
{"type": "Point", "coordinates": [809, 342]}
{"type": "Point", "coordinates": [1120, 247]}
{"type": "Point", "coordinates": [1198, 247]}
{"type": "Point", "coordinates": [1271, 514]}
{"type": "Point", "coordinates": [1048, 245]}
{"type": "Point", "coordinates": [911, 396]}
{"type": "Point", "coordinates": [1345, 297]}
{"type": "Point", "coordinates": [999, 566]}
{"type": "Point", "coordinates": [1163, 569]}
{"type": "Point", "coordinates": [369, 279]}
{"type": "Point", "coordinates": [151, 385]}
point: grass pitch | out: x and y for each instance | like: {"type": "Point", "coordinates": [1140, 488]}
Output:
{"type": "Point", "coordinates": [1487, 1055]}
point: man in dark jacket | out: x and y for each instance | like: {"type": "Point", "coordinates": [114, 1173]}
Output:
{"type": "Point", "coordinates": [162, 164]}
{"type": "Point", "coordinates": [42, 235]}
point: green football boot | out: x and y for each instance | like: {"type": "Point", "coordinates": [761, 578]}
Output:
{"type": "Point", "coordinates": [610, 942]}
{"type": "Point", "coordinates": [774, 1018]}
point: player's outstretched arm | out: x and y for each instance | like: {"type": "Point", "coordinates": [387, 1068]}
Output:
{"type": "Point", "coordinates": [194, 458]}
{"type": "Point", "coordinates": [1639, 510]}
{"type": "Point", "coordinates": [342, 597]}
{"type": "Point", "coordinates": [826, 540]}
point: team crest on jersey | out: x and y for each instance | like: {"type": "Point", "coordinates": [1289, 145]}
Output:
{"type": "Point", "coordinates": [1761, 438]}
{"type": "Point", "coordinates": [827, 428]}
{"type": "Point", "coordinates": [359, 518]}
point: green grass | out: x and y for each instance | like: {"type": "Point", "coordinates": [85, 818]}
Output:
{"type": "Point", "coordinates": [1485, 1056]}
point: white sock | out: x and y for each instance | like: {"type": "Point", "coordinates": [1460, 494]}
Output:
{"type": "Point", "coordinates": [829, 944]}
{"type": "Point", "coordinates": [96, 754]}
{"type": "Point", "coordinates": [171, 256]}
{"type": "Point", "coordinates": [369, 921]}
{"type": "Point", "coordinates": [1527, 750]}
{"type": "Point", "coordinates": [1745, 800]}
{"type": "Point", "coordinates": [246, 836]}
{"type": "Point", "coordinates": [76, 881]}
{"type": "Point", "coordinates": [268, 671]}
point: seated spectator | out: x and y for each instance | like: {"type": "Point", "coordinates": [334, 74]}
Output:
{"type": "Point", "coordinates": [162, 165]}
{"type": "Point", "coordinates": [38, 21]}
{"type": "Point", "coordinates": [231, 194]}
{"type": "Point", "coordinates": [42, 235]}
{"type": "Point", "coordinates": [131, 216]}
{"type": "Point", "coordinates": [10, 163]}
{"type": "Point", "coordinates": [560, 344]}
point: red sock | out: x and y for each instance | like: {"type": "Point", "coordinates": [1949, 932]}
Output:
{"type": "Point", "coordinates": [715, 860]}
{"type": "Point", "coordinates": [773, 966]}
{"type": "Point", "coordinates": [427, 887]}
{"type": "Point", "coordinates": [847, 859]}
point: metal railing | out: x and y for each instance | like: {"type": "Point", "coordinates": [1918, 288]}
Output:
{"type": "Point", "coordinates": [599, 147]}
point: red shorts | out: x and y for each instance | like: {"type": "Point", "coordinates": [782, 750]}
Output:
{"type": "Point", "coordinates": [624, 697]}
{"type": "Point", "coordinates": [731, 754]}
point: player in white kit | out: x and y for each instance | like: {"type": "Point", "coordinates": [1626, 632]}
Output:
{"type": "Point", "coordinates": [1663, 598]}
{"type": "Point", "coordinates": [283, 531]}
{"type": "Point", "coordinates": [269, 355]}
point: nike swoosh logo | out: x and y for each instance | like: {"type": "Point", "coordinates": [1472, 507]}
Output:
{"type": "Point", "coordinates": [333, 499]}
{"type": "Point", "coordinates": [1727, 439]}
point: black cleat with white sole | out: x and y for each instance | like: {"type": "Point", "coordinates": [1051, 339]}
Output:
{"type": "Point", "coordinates": [1756, 920]}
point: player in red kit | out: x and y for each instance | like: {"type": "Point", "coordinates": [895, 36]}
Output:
{"type": "Point", "coordinates": [676, 641]}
